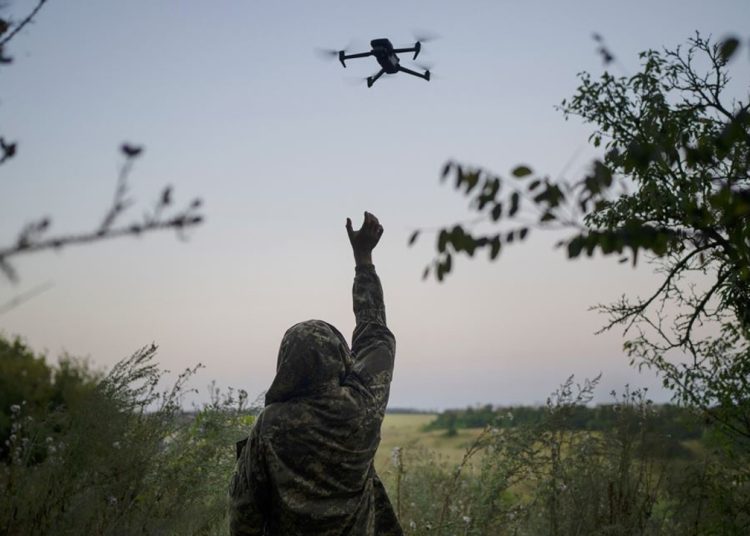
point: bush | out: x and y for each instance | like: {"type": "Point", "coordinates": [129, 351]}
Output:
{"type": "Point", "coordinates": [121, 457]}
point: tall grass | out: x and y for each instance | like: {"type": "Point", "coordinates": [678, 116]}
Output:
{"type": "Point", "coordinates": [549, 478]}
{"type": "Point", "coordinates": [123, 459]}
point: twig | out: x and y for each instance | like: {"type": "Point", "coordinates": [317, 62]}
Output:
{"type": "Point", "coordinates": [25, 296]}
{"type": "Point", "coordinates": [23, 23]}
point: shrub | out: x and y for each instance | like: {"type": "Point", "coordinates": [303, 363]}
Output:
{"type": "Point", "coordinates": [122, 458]}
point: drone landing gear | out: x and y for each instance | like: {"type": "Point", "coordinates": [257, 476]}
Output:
{"type": "Point", "coordinates": [372, 79]}
{"type": "Point", "coordinates": [425, 75]}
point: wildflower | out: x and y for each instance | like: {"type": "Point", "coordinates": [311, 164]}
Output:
{"type": "Point", "coordinates": [112, 500]}
{"type": "Point", "coordinates": [48, 439]}
{"type": "Point", "coordinates": [466, 519]}
{"type": "Point", "coordinates": [396, 456]}
{"type": "Point", "coordinates": [412, 525]}
{"type": "Point", "coordinates": [116, 444]}
{"type": "Point", "coordinates": [15, 408]}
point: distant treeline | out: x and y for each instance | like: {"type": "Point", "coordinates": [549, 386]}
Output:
{"type": "Point", "coordinates": [673, 421]}
{"type": "Point", "coordinates": [409, 411]}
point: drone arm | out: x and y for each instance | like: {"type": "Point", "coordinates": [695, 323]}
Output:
{"type": "Point", "coordinates": [344, 56]}
{"type": "Point", "coordinates": [416, 48]}
{"type": "Point", "coordinates": [371, 79]}
{"type": "Point", "coordinates": [426, 75]}
{"type": "Point", "coordinates": [360, 55]}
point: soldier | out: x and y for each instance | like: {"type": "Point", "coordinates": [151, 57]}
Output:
{"type": "Point", "coordinates": [307, 467]}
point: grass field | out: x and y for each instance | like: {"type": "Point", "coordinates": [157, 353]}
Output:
{"type": "Point", "coordinates": [406, 430]}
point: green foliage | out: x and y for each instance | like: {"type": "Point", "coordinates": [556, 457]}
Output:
{"type": "Point", "coordinates": [549, 477]}
{"type": "Point", "coordinates": [673, 182]}
{"type": "Point", "coordinates": [26, 381]}
{"type": "Point", "coordinates": [671, 423]}
{"type": "Point", "coordinates": [121, 457]}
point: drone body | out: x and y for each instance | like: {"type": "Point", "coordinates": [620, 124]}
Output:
{"type": "Point", "coordinates": [387, 58]}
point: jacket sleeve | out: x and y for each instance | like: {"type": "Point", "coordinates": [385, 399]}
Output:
{"type": "Point", "coordinates": [248, 489]}
{"type": "Point", "coordinates": [373, 344]}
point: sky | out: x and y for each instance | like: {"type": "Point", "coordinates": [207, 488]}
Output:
{"type": "Point", "coordinates": [233, 106]}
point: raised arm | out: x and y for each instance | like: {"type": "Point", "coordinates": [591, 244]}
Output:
{"type": "Point", "coordinates": [373, 344]}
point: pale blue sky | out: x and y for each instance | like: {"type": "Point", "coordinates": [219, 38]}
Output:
{"type": "Point", "coordinates": [233, 105]}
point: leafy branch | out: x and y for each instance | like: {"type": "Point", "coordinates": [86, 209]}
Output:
{"type": "Point", "coordinates": [674, 184]}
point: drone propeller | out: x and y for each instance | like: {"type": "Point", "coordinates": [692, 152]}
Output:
{"type": "Point", "coordinates": [425, 37]}
{"type": "Point", "coordinates": [357, 80]}
{"type": "Point", "coordinates": [424, 66]}
{"type": "Point", "coordinates": [329, 53]}
{"type": "Point", "coordinates": [427, 67]}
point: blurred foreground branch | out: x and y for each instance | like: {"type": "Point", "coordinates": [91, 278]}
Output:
{"type": "Point", "coordinates": [34, 236]}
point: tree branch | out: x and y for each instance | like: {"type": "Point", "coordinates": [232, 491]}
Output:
{"type": "Point", "coordinates": [23, 23]}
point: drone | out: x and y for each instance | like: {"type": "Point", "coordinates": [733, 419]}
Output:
{"type": "Point", "coordinates": [387, 57]}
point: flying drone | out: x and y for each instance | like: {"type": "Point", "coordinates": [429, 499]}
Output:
{"type": "Point", "coordinates": [387, 57]}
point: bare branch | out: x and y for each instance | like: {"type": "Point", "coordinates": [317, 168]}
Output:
{"type": "Point", "coordinates": [25, 296]}
{"type": "Point", "coordinates": [20, 26]}
{"type": "Point", "coordinates": [32, 237]}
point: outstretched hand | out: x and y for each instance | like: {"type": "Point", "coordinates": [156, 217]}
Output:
{"type": "Point", "coordinates": [365, 239]}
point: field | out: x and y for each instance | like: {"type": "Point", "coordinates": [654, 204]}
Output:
{"type": "Point", "coordinates": [406, 430]}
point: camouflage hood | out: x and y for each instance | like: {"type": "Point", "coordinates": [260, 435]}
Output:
{"type": "Point", "coordinates": [314, 358]}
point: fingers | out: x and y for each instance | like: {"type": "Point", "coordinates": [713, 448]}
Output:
{"type": "Point", "coordinates": [349, 229]}
{"type": "Point", "coordinates": [371, 221]}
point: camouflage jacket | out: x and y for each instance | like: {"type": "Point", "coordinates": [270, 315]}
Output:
{"type": "Point", "coordinates": [307, 467]}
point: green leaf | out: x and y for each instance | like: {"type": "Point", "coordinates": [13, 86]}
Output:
{"type": "Point", "coordinates": [515, 200]}
{"type": "Point", "coordinates": [442, 240]}
{"type": "Point", "coordinates": [728, 47]}
{"type": "Point", "coordinates": [497, 211]}
{"type": "Point", "coordinates": [495, 248]}
{"type": "Point", "coordinates": [446, 170]}
{"type": "Point", "coordinates": [547, 216]}
{"type": "Point", "coordinates": [575, 246]}
{"type": "Point", "coordinates": [523, 232]}
{"type": "Point", "coordinates": [413, 237]}
{"type": "Point", "coordinates": [521, 171]}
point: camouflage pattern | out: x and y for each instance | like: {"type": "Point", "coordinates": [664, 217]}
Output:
{"type": "Point", "coordinates": [307, 467]}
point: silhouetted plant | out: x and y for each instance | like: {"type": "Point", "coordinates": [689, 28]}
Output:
{"type": "Point", "coordinates": [37, 235]}
{"type": "Point", "coordinates": [122, 458]}
{"type": "Point", "coordinates": [674, 183]}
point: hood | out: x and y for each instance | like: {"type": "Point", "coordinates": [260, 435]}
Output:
{"type": "Point", "coordinates": [313, 357]}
